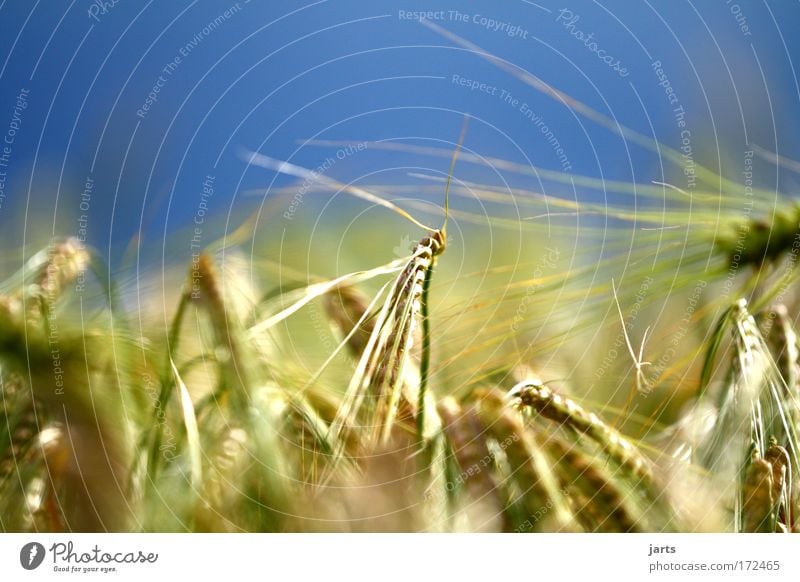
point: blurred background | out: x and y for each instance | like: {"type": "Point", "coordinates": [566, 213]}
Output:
{"type": "Point", "coordinates": [130, 125]}
{"type": "Point", "coordinates": [145, 100]}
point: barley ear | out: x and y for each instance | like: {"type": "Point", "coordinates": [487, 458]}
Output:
{"type": "Point", "coordinates": [758, 502]}
{"type": "Point", "coordinates": [536, 486]}
{"type": "Point", "coordinates": [465, 434]}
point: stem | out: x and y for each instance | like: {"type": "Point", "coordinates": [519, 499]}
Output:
{"type": "Point", "coordinates": [425, 361]}
{"type": "Point", "coordinates": [166, 385]}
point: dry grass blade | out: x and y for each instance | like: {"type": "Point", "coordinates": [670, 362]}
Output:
{"type": "Point", "coordinates": [641, 380]}
{"type": "Point", "coordinates": [192, 432]}
{"type": "Point", "coordinates": [301, 297]}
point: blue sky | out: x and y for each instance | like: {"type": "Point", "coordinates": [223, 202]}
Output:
{"type": "Point", "coordinates": [147, 99]}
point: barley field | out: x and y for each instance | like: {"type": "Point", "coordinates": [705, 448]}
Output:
{"type": "Point", "coordinates": [469, 354]}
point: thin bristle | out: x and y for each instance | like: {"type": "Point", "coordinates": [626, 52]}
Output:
{"type": "Point", "coordinates": [453, 161]}
{"type": "Point", "coordinates": [300, 172]}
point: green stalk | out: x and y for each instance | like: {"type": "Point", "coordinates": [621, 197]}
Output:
{"type": "Point", "coordinates": [167, 383]}
{"type": "Point", "coordinates": [425, 360]}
